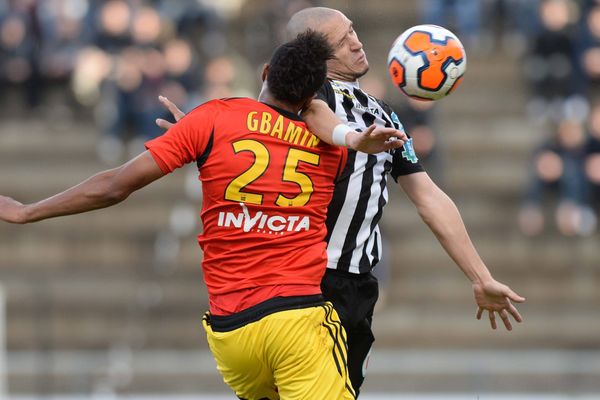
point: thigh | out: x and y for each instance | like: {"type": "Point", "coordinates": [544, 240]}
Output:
{"type": "Point", "coordinates": [354, 298]}
{"type": "Point", "coordinates": [360, 342]}
{"type": "Point", "coordinates": [240, 360]}
{"type": "Point", "coordinates": [309, 352]}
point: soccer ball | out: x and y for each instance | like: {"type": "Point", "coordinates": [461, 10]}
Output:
{"type": "Point", "coordinates": [427, 62]}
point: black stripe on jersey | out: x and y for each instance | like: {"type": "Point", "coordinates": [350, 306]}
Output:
{"type": "Point", "coordinates": [339, 194]}
{"type": "Point", "coordinates": [362, 98]}
{"type": "Point", "coordinates": [202, 157]}
{"type": "Point", "coordinates": [327, 94]}
{"type": "Point", "coordinates": [359, 214]}
{"type": "Point", "coordinates": [387, 111]}
{"type": "Point", "coordinates": [375, 251]}
{"type": "Point", "coordinates": [388, 123]}
{"type": "Point", "coordinates": [368, 119]}
{"type": "Point", "coordinates": [348, 105]}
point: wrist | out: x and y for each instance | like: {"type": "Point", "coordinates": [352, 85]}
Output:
{"type": "Point", "coordinates": [340, 135]}
{"type": "Point", "coordinates": [352, 140]}
{"type": "Point", "coordinates": [481, 277]}
{"type": "Point", "coordinates": [24, 214]}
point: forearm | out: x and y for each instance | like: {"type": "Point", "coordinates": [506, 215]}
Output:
{"type": "Point", "coordinates": [320, 120]}
{"type": "Point", "coordinates": [444, 220]}
{"type": "Point", "coordinates": [94, 193]}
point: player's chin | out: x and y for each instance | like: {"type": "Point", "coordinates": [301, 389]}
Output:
{"type": "Point", "coordinates": [363, 71]}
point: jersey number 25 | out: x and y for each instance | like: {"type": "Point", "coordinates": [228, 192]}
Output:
{"type": "Point", "coordinates": [234, 191]}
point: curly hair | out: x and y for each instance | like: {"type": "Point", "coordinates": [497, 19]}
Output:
{"type": "Point", "coordinates": [298, 68]}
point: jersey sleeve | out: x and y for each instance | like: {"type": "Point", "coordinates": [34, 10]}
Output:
{"type": "Point", "coordinates": [187, 141]}
{"type": "Point", "coordinates": [326, 94]}
{"type": "Point", "coordinates": [404, 159]}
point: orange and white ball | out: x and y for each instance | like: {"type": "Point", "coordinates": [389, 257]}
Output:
{"type": "Point", "coordinates": [427, 62]}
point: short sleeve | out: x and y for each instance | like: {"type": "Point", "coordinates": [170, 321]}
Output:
{"type": "Point", "coordinates": [186, 141]}
{"type": "Point", "coordinates": [404, 159]}
{"type": "Point", "coordinates": [326, 94]}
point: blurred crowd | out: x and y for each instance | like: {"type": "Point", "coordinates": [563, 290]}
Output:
{"type": "Point", "coordinates": [116, 56]}
{"type": "Point", "coordinates": [558, 45]}
{"type": "Point", "coordinates": [562, 68]}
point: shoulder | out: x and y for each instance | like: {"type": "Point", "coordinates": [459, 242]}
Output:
{"type": "Point", "coordinates": [384, 106]}
{"type": "Point", "coordinates": [327, 94]}
{"type": "Point", "coordinates": [225, 104]}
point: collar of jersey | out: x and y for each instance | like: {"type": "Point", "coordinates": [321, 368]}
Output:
{"type": "Point", "coordinates": [353, 84]}
{"type": "Point", "coordinates": [283, 112]}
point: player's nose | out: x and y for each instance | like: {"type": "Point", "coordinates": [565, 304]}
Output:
{"type": "Point", "coordinates": [356, 45]}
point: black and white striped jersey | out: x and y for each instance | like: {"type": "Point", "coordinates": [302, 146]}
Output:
{"type": "Point", "coordinates": [353, 236]}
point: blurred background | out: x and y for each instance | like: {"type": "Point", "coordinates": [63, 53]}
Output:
{"type": "Point", "coordinates": [109, 303]}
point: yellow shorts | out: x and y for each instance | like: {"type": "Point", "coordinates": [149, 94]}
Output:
{"type": "Point", "coordinates": [295, 354]}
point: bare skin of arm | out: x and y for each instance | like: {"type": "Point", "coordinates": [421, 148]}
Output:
{"type": "Point", "coordinates": [439, 212]}
{"type": "Point", "coordinates": [99, 191]}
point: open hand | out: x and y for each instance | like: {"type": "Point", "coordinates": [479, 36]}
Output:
{"type": "Point", "coordinates": [495, 297]}
{"type": "Point", "coordinates": [176, 112]}
{"type": "Point", "coordinates": [376, 139]}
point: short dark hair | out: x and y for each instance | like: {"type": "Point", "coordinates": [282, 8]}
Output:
{"type": "Point", "coordinates": [298, 68]}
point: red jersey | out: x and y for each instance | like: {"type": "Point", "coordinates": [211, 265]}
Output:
{"type": "Point", "coordinates": [267, 182]}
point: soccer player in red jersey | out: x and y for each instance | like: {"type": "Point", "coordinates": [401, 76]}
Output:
{"type": "Point", "coordinates": [354, 241]}
{"type": "Point", "coordinates": [267, 182]}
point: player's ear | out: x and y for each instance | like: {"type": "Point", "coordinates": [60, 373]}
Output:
{"type": "Point", "coordinates": [265, 72]}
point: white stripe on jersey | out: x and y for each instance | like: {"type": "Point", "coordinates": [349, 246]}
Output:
{"type": "Point", "coordinates": [342, 226]}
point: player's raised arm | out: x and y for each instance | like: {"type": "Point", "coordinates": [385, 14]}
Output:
{"type": "Point", "coordinates": [323, 123]}
{"type": "Point", "coordinates": [99, 191]}
{"type": "Point", "coordinates": [327, 126]}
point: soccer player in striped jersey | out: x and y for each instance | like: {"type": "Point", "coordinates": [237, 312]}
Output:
{"type": "Point", "coordinates": [267, 181]}
{"type": "Point", "coordinates": [354, 239]}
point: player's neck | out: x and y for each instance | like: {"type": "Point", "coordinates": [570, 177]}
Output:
{"type": "Point", "coordinates": [266, 97]}
{"type": "Point", "coordinates": [336, 76]}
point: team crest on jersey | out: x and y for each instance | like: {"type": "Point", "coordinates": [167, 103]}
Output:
{"type": "Point", "coordinates": [408, 152]}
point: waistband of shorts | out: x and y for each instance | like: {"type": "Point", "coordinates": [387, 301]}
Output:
{"type": "Point", "coordinates": [226, 323]}
{"type": "Point", "coordinates": [347, 274]}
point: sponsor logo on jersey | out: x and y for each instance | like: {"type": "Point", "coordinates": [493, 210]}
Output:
{"type": "Point", "coordinates": [371, 110]}
{"type": "Point", "coordinates": [263, 223]}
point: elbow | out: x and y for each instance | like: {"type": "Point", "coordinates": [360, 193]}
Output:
{"type": "Point", "coordinates": [427, 214]}
{"type": "Point", "coordinates": [115, 195]}
{"type": "Point", "coordinates": [108, 190]}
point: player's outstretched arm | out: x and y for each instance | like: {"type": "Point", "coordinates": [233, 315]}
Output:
{"type": "Point", "coordinates": [101, 190]}
{"type": "Point", "coordinates": [439, 212]}
{"type": "Point", "coordinates": [322, 121]}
